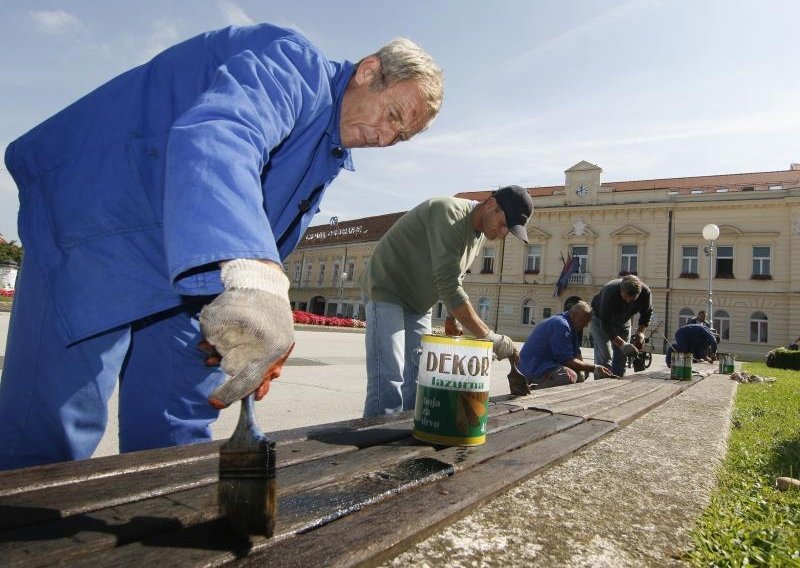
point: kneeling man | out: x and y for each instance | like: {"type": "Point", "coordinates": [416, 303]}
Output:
{"type": "Point", "coordinates": [551, 355]}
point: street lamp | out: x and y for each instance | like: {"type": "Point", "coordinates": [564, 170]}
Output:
{"type": "Point", "coordinates": [711, 234]}
{"type": "Point", "coordinates": [341, 292]}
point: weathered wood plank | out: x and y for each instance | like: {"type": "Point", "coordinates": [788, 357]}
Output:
{"type": "Point", "coordinates": [351, 486]}
{"type": "Point", "coordinates": [587, 407]}
{"type": "Point", "coordinates": [379, 532]}
{"type": "Point", "coordinates": [628, 411]}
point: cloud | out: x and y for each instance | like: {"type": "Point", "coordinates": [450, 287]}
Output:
{"type": "Point", "coordinates": [55, 21]}
{"type": "Point", "coordinates": [165, 34]}
{"type": "Point", "coordinates": [234, 14]}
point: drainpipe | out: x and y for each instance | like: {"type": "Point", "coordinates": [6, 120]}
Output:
{"type": "Point", "coordinates": [667, 320]}
{"type": "Point", "coordinates": [499, 287]}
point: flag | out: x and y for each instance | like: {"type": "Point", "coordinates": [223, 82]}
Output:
{"type": "Point", "coordinates": [571, 266]}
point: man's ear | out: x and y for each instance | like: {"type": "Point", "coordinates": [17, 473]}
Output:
{"type": "Point", "coordinates": [369, 70]}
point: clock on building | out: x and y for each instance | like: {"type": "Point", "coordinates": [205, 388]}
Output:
{"type": "Point", "coordinates": [581, 191]}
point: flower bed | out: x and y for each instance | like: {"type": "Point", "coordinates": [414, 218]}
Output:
{"type": "Point", "coordinates": [313, 319]}
{"type": "Point", "coordinates": [7, 293]}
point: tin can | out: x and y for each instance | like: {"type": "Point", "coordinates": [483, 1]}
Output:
{"type": "Point", "coordinates": [726, 363]}
{"type": "Point", "coordinates": [681, 366]}
{"type": "Point", "coordinates": [452, 405]}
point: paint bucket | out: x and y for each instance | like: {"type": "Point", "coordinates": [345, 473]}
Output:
{"type": "Point", "coordinates": [681, 366]}
{"type": "Point", "coordinates": [452, 405]}
{"type": "Point", "coordinates": [726, 363]}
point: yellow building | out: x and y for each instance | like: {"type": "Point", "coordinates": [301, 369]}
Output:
{"type": "Point", "coordinates": [650, 227]}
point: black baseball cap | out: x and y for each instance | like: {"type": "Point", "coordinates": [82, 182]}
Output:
{"type": "Point", "coordinates": [517, 206]}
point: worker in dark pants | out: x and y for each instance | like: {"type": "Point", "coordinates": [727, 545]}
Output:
{"type": "Point", "coordinates": [697, 339]}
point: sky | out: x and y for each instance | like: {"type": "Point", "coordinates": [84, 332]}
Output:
{"type": "Point", "coordinates": [645, 89]}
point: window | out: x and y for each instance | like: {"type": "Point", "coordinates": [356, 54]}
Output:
{"type": "Point", "coordinates": [759, 329]}
{"type": "Point", "coordinates": [684, 316]}
{"type": "Point", "coordinates": [307, 277]}
{"type": "Point", "coordinates": [722, 323]}
{"type": "Point", "coordinates": [629, 259]}
{"type": "Point", "coordinates": [689, 262]}
{"type": "Point", "coordinates": [581, 252]}
{"type": "Point", "coordinates": [533, 259]}
{"type": "Point", "coordinates": [351, 271]}
{"type": "Point", "coordinates": [335, 274]}
{"type": "Point", "coordinates": [546, 313]}
{"type": "Point", "coordinates": [761, 262]}
{"type": "Point", "coordinates": [724, 262]}
{"type": "Point", "coordinates": [321, 273]}
{"type": "Point", "coordinates": [527, 312]}
{"type": "Point", "coordinates": [439, 311]}
{"type": "Point", "coordinates": [483, 309]}
{"type": "Point", "coordinates": [488, 260]}
{"type": "Point", "coordinates": [297, 268]}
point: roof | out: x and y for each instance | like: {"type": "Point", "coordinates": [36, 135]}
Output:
{"type": "Point", "coordinates": [361, 230]}
{"type": "Point", "coordinates": [731, 182]}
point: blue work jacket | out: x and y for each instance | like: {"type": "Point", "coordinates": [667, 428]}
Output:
{"type": "Point", "coordinates": [552, 343]}
{"type": "Point", "coordinates": [220, 147]}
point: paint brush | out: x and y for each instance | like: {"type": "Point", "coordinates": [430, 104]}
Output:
{"type": "Point", "coordinates": [247, 476]}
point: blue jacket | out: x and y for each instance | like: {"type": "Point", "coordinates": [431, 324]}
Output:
{"type": "Point", "coordinates": [220, 147]}
{"type": "Point", "coordinates": [552, 343]}
{"type": "Point", "coordinates": [696, 339]}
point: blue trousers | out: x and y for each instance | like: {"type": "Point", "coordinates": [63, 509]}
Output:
{"type": "Point", "coordinates": [54, 397]}
{"type": "Point", "coordinates": [393, 340]}
{"type": "Point", "coordinates": [605, 352]}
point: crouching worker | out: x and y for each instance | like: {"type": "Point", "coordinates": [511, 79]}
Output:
{"type": "Point", "coordinates": [551, 355]}
{"type": "Point", "coordinates": [697, 339]}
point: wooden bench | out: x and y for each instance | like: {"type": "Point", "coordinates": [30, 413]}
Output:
{"type": "Point", "coordinates": [351, 492]}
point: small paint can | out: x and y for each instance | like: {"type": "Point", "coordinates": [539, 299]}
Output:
{"type": "Point", "coordinates": [726, 363]}
{"type": "Point", "coordinates": [452, 405]}
{"type": "Point", "coordinates": [681, 366]}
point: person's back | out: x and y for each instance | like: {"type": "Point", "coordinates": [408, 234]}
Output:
{"type": "Point", "coordinates": [551, 342]}
{"type": "Point", "coordinates": [427, 247]}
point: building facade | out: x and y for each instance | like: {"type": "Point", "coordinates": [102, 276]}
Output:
{"type": "Point", "coordinates": [652, 228]}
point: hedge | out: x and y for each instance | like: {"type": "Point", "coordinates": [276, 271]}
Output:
{"type": "Point", "coordinates": [783, 358]}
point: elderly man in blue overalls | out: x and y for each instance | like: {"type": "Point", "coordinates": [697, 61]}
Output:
{"type": "Point", "coordinates": [177, 186]}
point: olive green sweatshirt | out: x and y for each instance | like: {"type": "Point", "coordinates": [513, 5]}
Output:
{"type": "Point", "coordinates": [424, 256]}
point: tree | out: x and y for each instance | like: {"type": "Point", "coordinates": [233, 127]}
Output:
{"type": "Point", "coordinates": [11, 251]}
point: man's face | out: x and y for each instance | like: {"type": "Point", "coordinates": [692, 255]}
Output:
{"type": "Point", "coordinates": [378, 118]}
{"type": "Point", "coordinates": [493, 222]}
{"type": "Point", "coordinates": [628, 298]}
{"type": "Point", "coordinates": [580, 320]}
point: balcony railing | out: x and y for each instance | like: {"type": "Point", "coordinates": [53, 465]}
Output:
{"type": "Point", "coordinates": [581, 278]}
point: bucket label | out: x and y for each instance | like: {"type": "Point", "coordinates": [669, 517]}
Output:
{"type": "Point", "coordinates": [726, 363]}
{"type": "Point", "coordinates": [681, 367]}
{"type": "Point", "coordinates": [453, 391]}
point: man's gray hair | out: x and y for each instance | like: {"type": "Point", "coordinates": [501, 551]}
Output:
{"type": "Point", "coordinates": [403, 60]}
{"type": "Point", "coordinates": [631, 285]}
{"type": "Point", "coordinates": [581, 308]}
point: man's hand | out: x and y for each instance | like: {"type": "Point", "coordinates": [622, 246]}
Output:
{"type": "Point", "coordinates": [628, 349]}
{"type": "Point", "coordinates": [250, 326]}
{"type": "Point", "coordinates": [638, 340]}
{"type": "Point", "coordinates": [502, 346]}
{"type": "Point", "coordinates": [603, 372]}
{"type": "Point", "coordinates": [452, 327]}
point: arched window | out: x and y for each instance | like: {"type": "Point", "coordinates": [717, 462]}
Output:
{"type": "Point", "coordinates": [759, 328]}
{"type": "Point", "coordinates": [483, 309]}
{"type": "Point", "coordinates": [528, 308]}
{"type": "Point", "coordinates": [684, 316]}
{"type": "Point", "coordinates": [722, 323]}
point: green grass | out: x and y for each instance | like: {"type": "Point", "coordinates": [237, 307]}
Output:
{"type": "Point", "coordinates": [749, 522]}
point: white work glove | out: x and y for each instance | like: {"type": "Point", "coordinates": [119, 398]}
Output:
{"type": "Point", "coordinates": [251, 327]}
{"type": "Point", "coordinates": [603, 372]}
{"type": "Point", "coordinates": [628, 349]}
{"type": "Point", "coordinates": [502, 346]}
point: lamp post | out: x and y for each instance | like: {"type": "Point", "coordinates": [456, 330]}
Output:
{"type": "Point", "coordinates": [341, 293]}
{"type": "Point", "coordinates": [711, 234]}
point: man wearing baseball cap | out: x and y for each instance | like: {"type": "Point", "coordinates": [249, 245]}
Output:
{"type": "Point", "coordinates": [422, 259]}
